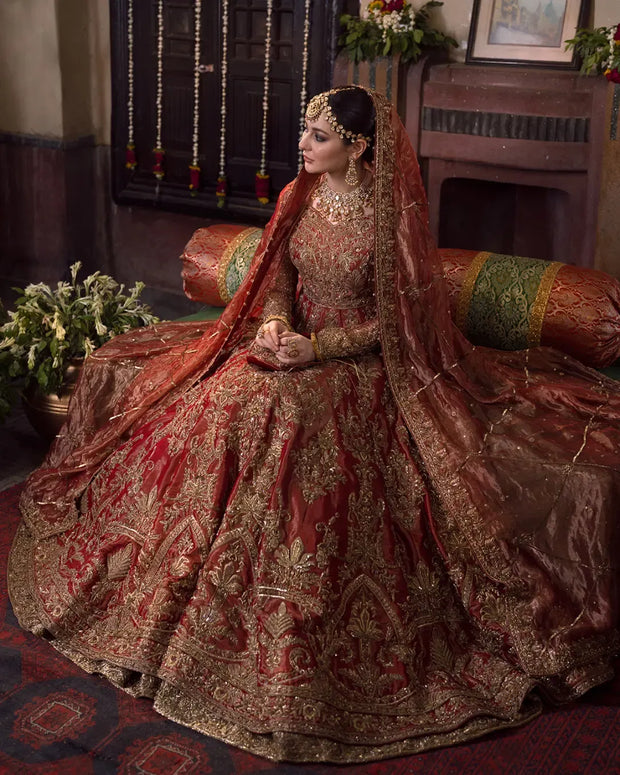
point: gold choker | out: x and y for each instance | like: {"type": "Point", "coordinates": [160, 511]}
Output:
{"type": "Point", "coordinates": [343, 205]}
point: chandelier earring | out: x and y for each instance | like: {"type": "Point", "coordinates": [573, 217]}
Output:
{"type": "Point", "coordinates": [351, 178]}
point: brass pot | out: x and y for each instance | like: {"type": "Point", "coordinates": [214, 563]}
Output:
{"type": "Point", "coordinates": [47, 412]}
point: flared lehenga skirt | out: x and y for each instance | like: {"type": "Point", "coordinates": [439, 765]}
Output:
{"type": "Point", "coordinates": [260, 560]}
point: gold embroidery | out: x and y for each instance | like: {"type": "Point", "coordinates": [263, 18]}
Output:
{"type": "Point", "coordinates": [316, 465]}
{"type": "Point", "coordinates": [289, 593]}
{"type": "Point", "coordinates": [119, 563]}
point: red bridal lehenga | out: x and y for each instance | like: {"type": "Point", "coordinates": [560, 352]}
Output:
{"type": "Point", "coordinates": [398, 548]}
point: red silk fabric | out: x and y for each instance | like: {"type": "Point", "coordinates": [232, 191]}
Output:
{"type": "Point", "coordinates": [519, 450]}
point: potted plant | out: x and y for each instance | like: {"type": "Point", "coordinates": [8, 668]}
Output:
{"type": "Point", "coordinates": [599, 50]}
{"type": "Point", "coordinates": [391, 28]}
{"type": "Point", "coordinates": [51, 331]}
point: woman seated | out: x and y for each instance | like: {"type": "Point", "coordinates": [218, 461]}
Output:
{"type": "Point", "coordinates": [328, 528]}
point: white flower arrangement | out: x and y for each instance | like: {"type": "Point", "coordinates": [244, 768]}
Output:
{"type": "Point", "coordinates": [389, 27]}
{"type": "Point", "coordinates": [51, 328]}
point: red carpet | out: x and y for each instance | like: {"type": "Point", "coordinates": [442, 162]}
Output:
{"type": "Point", "coordinates": [57, 719]}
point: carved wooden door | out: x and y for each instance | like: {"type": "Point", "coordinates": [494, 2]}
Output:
{"type": "Point", "coordinates": [246, 51]}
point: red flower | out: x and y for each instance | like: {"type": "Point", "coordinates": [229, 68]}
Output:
{"type": "Point", "coordinates": [617, 34]}
{"type": "Point", "coordinates": [394, 5]}
{"type": "Point", "coordinates": [194, 178]}
{"type": "Point", "coordinates": [613, 75]}
{"type": "Point", "coordinates": [130, 157]}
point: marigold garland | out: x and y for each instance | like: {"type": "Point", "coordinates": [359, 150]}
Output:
{"type": "Point", "coordinates": [262, 178]}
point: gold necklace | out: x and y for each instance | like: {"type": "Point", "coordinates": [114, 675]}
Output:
{"type": "Point", "coordinates": [339, 206]}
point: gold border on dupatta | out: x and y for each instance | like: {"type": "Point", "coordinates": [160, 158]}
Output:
{"type": "Point", "coordinates": [479, 552]}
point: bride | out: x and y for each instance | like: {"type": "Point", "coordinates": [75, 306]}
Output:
{"type": "Point", "coordinates": [328, 528]}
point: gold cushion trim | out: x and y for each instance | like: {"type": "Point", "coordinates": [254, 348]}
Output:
{"type": "Point", "coordinates": [225, 259]}
{"type": "Point", "coordinates": [539, 307]}
{"type": "Point", "coordinates": [468, 289]}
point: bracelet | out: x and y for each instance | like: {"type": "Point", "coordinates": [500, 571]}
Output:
{"type": "Point", "coordinates": [281, 318]}
{"type": "Point", "coordinates": [315, 346]}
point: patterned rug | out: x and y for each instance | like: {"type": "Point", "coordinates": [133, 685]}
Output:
{"type": "Point", "coordinates": [57, 720]}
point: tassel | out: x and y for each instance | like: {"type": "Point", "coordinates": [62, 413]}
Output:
{"type": "Point", "coordinates": [220, 190]}
{"type": "Point", "coordinates": [130, 157]}
{"type": "Point", "coordinates": [194, 178]}
{"type": "Point", "coordinates": [158, 167]}
{"type": "Point", "coordinates": [261, 183]}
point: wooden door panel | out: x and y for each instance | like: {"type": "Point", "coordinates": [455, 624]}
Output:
{"type": "Point", "coordinates": [244, 98]}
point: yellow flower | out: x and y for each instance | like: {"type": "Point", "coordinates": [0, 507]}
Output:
{"type": "Point", "coordinates": [58, 327]}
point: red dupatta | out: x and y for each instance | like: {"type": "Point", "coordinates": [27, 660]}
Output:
{"type": "Point", "coordinates": [520, 449]}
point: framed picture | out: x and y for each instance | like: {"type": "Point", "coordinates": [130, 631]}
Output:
{"type": "Point", "coordinates": [528, 32]}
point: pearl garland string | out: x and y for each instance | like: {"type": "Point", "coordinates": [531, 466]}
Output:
{"type": "Point", "coordinates": [194, 167]}
{"type": "Point", "coordinates": [130, 152]}
{"type": "Point", "coordinates": [220, 190]}
{"type": "Point", "coordinates": [262, 179]}
{"type": "Point", "coordinates": [304, 79]}
{"type": "Point", "coordinates": [158, 151]}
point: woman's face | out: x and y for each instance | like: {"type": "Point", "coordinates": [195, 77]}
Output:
{"type": "Point", "coordinates": [323, 149]}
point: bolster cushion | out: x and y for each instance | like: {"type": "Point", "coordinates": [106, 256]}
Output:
{"type": "Point", "coordinates": [507, 302]}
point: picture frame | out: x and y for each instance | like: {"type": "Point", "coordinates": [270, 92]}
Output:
{"type": "Point", "coordinates": [525, 32]}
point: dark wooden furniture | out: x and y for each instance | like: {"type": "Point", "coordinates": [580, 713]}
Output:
{"type": "Point", "coordinates": [245, 94]}
{"type": "Point", "coordinates": [512, 158]}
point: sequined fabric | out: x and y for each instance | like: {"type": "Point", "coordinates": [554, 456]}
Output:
{"type": "Point", "coordinates": [259, 554]}
{"type": "Point", "coordinates": [393, 549]}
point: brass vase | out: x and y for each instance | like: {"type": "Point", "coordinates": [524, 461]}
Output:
{"type": "Point", "coordinates": [47, 412]}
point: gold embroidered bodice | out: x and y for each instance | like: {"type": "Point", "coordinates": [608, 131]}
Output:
{"type": "Point", "coordinates": [334, 264]}
{"type": "Point", "coordinates": [334, 260]}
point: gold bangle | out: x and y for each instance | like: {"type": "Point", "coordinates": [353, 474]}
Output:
{"type": "Point", "coordinates": [281, 318]}
{"type": "Point", "coordinates": [315, 346]}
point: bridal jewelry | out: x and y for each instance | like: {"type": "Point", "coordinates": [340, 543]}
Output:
{"type": "Point", "coordinates": [319, 105]}
{"type": "Point", "coordinates": [350, 177]}
{"type": "Point", "coordinates": [343, 205]}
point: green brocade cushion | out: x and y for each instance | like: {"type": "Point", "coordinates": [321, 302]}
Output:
{"type": "Point", "coordinates": [232, 270]}
{"type": "Point", "coordinates": [503, 300]}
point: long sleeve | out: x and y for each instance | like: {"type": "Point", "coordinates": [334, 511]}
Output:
{"type": "Point", "coordinates": [279, 298]}
{"type": "Point", "coordinates": [351, 340]}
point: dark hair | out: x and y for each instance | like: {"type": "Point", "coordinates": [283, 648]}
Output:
{"type": "Point", "coordinates": [354, 109]}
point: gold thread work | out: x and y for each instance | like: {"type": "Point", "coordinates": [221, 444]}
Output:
{"type": "Point", "coordinates": [467, 290]}
{"type": "Point", "coordinates": [539, 307]}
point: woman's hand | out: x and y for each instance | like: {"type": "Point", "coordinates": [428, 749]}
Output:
{"type": "Point", "coordinates": [269, 335]}
{"type": "Point", "coordinates": [295, 349]}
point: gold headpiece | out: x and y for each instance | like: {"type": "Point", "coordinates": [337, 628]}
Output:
{"type": "Point", "coordinates": [319, 105]}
